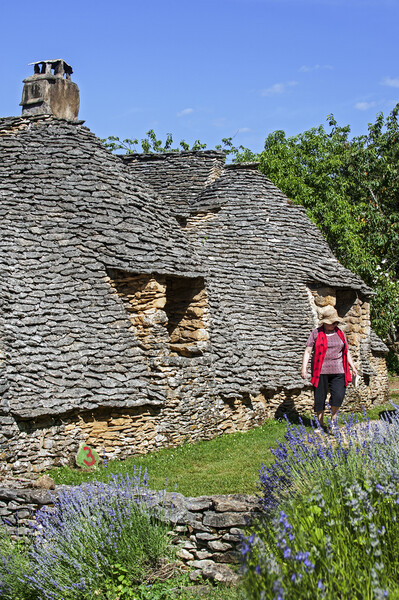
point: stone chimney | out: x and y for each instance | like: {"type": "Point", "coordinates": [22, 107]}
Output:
{"type": "Point", "coordinates": [50, 91]}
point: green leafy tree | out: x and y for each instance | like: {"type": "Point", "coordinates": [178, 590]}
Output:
{"type": "Point", "coordinates": [150, 144]}
{"type": "Point", "coordinates": [350, 188]}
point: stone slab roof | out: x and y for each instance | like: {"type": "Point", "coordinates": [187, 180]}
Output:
{"type": "Point", "coordinates": [263, 253]}
{"type": "Point", "coordinates": [70, 210]}
{"type": "Point", "coordinates": [71, 213]}
{"type": "Point", "coordinates": [178, 176]}
{"type": "Point", "coordinates": [376, 343]}
{"type": "Point", "coordinates": [293, 242]}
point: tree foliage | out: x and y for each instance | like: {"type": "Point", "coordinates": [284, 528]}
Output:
{"type": "Point", "coordinates": [350, 188]}
{"type": "Point", "coordinates": [150, 144]}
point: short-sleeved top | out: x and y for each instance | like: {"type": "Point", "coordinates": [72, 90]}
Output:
{"type": "Point", "coordinates": [333, 360]}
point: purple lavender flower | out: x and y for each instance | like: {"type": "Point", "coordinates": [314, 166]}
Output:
{"type": "Point", "coordinates": [91, 528]}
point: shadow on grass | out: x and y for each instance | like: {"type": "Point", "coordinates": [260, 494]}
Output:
{"type": "Point", "coordinates": [297, 419]}
{"type": "Point", "coordinates": [294, 417]}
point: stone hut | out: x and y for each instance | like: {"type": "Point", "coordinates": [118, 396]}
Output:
{"type": "Point", "coordinates": [146, 300]}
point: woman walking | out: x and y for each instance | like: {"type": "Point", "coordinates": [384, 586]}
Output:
{"type": "Point", "coordinates": [331, 363]}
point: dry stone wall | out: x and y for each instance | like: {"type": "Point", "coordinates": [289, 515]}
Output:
{"type": "Point", "coordinates": [36, 445]}
{"type": "Point", "coordinates": [206, 529]}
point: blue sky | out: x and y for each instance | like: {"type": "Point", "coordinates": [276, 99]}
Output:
{"type": "Point", "coordinates": [210, 69]}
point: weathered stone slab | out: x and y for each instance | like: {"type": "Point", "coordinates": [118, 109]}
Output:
{"type": "Point", "coordinates": [226, 520]}
{"type": "Point", "coordinates": [229, 557]}
{"type": "Point", "coordinates": [220, 573]}
{"type": "Point", "coordinates": [230, 504]}
{"type": "Point", "coordinates": [200, 503]}
{"type": "Point", "coordinates": [207, 536]}
{"type": "Point", "coordinates": [217, 546]}
{"type": "Point", "coordinates": [201, 564]}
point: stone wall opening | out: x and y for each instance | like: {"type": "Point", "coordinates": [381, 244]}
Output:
{"type": "Point", "coordinates": [346, 299]}
{"type": "Point", "coordinates": [144, 297]}
{"type": "Point", "coordinates": [187, 310]}
{"type": "Point", "coordinates": [169, 313]}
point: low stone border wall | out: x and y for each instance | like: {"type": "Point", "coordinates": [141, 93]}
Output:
{"type": "Point", "coordinates": [206, 529]}
{"type": "Point", "coordinates": [211, 526]}
{"type": "Point", "coordinates": [18, 506]}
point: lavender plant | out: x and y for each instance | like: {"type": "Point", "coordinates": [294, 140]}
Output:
{"type": "Point", "coordinates": [94, 531]}
{"type": "Point", "coordinates": [331, 524]}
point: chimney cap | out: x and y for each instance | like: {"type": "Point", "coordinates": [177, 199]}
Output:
{"type": "Point", "coordinates": [52, 61]}
{"type": "Point", "coordinates": [51, 67]}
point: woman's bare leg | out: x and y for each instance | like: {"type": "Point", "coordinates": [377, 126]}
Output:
{"type": "Point", "coordinates": [320, 418]}
{"type": "Point", "coordinates": [334, 413]}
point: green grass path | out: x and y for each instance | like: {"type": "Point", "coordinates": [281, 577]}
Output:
{"type": "Point", "coordinates": [224, 465]}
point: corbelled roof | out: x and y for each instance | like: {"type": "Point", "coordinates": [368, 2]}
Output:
{"type": "Point", "coordinates": [263, 254]}
{"type": "Point", "coordinates": [69, 210]}
{"type": "Point", "coordinates": [289, 239]}
{"type": "Point", "coordinates": [178, 176]}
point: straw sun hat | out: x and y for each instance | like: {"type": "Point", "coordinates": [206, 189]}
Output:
{"type": "Point", "coordinates": [329, 315]}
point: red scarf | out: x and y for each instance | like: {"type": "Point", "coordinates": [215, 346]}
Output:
{"type": "Point", "coordinates": [320, 350]}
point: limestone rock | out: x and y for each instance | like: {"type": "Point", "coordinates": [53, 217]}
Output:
{"type": "Point", "coordinates": [229, 504]}
{"type": "Point", "coordinates": [219, 546]}
{"type": "Point", "coordinates": [203, 554]}
{"type": "Point", "coordinates": [227, 519]}
{"type": "Point", "coordinates": [220, 573]}
{"type": "Point", "coordinates": [185, 554]}
{"type": "Point", "coordinates": [201, 564]}
{"type": "Point", "coordinates": [199, 503]}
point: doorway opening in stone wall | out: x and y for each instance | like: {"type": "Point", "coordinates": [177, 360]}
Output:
{"type": "Point", "coordinates": [144, 296]}
{"type": "Point", "coordinates": [169, 313]}
{"type": "Point", "coordinates": [187, 311]}
{"type": "Point", "coordinates": [343, 299]}
{"type": "Point", "coordinates": [346, 298]}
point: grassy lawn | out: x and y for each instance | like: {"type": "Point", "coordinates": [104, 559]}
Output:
{"type": "Point", "coordinates": [227, 464]}
{"type": "Point", "coordinates": [224, 465]}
